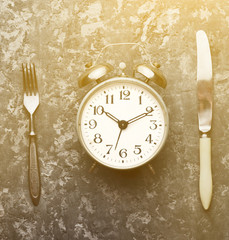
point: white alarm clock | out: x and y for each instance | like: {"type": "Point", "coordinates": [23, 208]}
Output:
{"type": "Point", "coordinates": [122, 122]}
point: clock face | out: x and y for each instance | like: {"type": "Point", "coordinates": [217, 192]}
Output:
{"type": "Point", "coordinates": [122, 123]}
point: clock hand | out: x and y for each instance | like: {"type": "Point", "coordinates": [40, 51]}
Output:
{"type": "Point", "coordinates": [118, 138]}
{"type": "Point", "coordinates": [137, 117]}
{"type": "Point", "coordinates": [111, 116]}
{"type": "Point", "coordinates": [149, 109]}
{"type": "Point", "coordinates": [122, 125]}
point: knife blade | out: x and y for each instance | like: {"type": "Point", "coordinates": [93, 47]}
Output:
{"type": "Point", "coordinates": [205, 99]}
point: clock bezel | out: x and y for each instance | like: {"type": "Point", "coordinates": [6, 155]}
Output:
{"type": "Point", "coordinates": [123, 80]}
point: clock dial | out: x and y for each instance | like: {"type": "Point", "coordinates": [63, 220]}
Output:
{"type": "Point", "coordinates": [122, 123]}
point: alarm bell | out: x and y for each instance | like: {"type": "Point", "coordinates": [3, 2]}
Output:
{"type": "Point", "coordinates": [152, 73]}
{"type": "Point", "coordinates": [94, 74]}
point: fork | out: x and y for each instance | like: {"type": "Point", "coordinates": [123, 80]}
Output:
{"type": "Point", "coordinates": [31, 102]}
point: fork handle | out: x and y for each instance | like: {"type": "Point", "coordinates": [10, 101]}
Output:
{"type": "Point", "coordinates": [34, 172]}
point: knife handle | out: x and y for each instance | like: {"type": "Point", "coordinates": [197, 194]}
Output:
{"type": "Point", "coordinates": [34, 172]}
{"type": "Point", "coordinates": [205, 183]}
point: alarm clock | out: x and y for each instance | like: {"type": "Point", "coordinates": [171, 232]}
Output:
{"type": "Point", "coordinates": [122, 122]}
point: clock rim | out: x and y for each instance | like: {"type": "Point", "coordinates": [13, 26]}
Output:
{"type": "Point", "coordinates": [130, 80]}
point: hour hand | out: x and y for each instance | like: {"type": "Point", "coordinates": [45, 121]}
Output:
{"type": "Point", "coordinates": [112, 117]}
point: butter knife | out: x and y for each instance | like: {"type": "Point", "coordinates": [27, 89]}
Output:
{"type": "Point", "coordinates": [205, 99]}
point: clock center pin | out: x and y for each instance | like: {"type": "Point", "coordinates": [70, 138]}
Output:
{"type": "Point", "coordinates": [122, 124]}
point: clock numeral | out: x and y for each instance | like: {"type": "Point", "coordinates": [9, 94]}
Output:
{"type": "Point", "coordinates": [123, 153]}
{"type": "Point", "coordinates": [137, 149]}
{"type": "Point", "coordinates": [153, 126]}
{"type": "Point", "coordinates": [124, 95]}
{"type": "Point", "coordinates": [97, 138]}
{"type": "Point", "coordinates": [110, 146]}
{"type": "Point", "coordinates": [98, 110]}
{"type": "Point", "coordinates": [92, 124]}
{"type": "Point", "coordinates": [149, 109]}
{"type": "Point", "coordinates": [110, 99]}
{"type": "Point", "coordinates": [149, 139]}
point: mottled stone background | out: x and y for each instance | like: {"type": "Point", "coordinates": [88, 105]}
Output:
{"type": "Point", "coordinates": [61, 37]}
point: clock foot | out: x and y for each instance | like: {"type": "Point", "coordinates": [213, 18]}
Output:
{"type": "Point", "coordinates": [151, 169]}
{"type": "Point", "coordinates": [92, 167]}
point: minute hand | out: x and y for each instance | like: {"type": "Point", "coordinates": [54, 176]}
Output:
{"type": "Point", "coordinates": [137, 118]}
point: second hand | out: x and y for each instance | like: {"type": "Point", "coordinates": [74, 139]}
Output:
{"type": "Point", "coordinates": [118, 138]}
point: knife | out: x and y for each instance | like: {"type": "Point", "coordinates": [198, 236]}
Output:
{"type": "Point", "coordinates": [205, 99]}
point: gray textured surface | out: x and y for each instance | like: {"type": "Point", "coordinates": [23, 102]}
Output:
{"type": "Point", "coordinates": [60, 37]}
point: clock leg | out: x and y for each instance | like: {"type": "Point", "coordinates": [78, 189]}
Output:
{"type": "Point", "coordinates": [92, 167]}
{"type": "Point", "coordinates": [151, 169]}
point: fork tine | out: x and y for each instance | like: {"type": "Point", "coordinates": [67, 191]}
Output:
{"type": "Point", "coordinates": [28, 82]}
{"type": "Point", "coordinates": [35, 80]}
{"type": "Point", "coordinates": [24, 81]}
{"type": "Point", "coordinates": [31, 79]}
